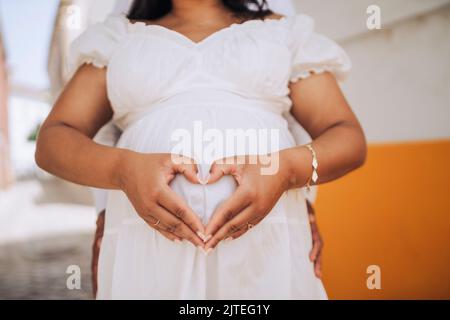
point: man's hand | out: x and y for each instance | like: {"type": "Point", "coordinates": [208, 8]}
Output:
{"type": "Point", "coordinates": [96, 249]}
{"type": "Point", "coordinates": [316, 252]}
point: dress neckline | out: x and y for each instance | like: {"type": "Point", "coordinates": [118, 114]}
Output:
{"type": "Point", "coordinates": [141, 25]}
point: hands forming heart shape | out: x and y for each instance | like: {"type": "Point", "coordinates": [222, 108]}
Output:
{"type": "Point", "coordinates": [145, 179]}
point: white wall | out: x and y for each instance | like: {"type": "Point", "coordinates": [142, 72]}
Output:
{"type": "Point", "coordinates": [341, 19]}
{"type": "Point", "coordinates": [400, 83]}
{"type": "Point", "coordinates": [399, 86]}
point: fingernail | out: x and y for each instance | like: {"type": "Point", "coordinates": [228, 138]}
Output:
{"type": "Point", "coordinates": [228, 239]}
{"type": "Point", "coordinates": [200, 247]}
{"type": "Point", "coordinates": [200, 180]}
{"type": "Point", "coordinates": [177, 240]}
{"type": "Point", "coordinates": [209, 236]}
{"type": "Point", "coordinates": [209, 251]}
{"type": "Point", "coordinates": [202, 236]}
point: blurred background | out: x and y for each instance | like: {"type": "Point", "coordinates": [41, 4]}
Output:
{"type": "Point", "coordinates": [393, 213]}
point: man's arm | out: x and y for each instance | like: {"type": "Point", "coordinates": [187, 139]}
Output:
{"type": "Point", "coordinates": [108, 135]}
{"type": "Point", "coordinates": [315, 254]}
{"type": "Point", "coordinates": [301, 137]}
{"type": "Point", "coordinates": [96, 249]}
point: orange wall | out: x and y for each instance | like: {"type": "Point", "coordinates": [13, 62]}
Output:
{"type": "Point", "coordinates": [394, 213]}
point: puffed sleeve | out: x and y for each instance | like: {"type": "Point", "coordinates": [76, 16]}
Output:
{"type": "Point", "coordinates": [96, 44]}
{"type": "Point", "coordinates": [315, 53]}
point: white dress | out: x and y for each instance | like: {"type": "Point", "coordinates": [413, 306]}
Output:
{"type": "Point", "coordinates": [159, 81]}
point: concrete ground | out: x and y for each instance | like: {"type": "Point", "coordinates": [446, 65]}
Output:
{"type": "Point", "coordinates": [46, 225]}
{"type": "Point", "coordinates": [36, 269]}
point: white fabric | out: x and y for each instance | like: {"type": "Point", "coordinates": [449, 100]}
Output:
{"type": "Point", "coordinates": [159, 81]}
{"type": "Point", "coordinates": [285, 7]}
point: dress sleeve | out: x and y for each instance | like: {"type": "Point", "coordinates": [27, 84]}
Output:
{"type": "Point", "coordinates": [315, 53]}
{"type": "Point", "coordinates": [96, 44]}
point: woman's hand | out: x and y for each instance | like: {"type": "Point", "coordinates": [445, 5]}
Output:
{"type": "Point", "coordinates": [145, 179]}
{"type": "Point", "coordinates": [255, 195]}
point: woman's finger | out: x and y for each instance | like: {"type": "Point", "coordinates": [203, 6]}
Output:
{"type": "Point", "coordinates": [243, 230]}
{"type": "Point", "coordinates": [218, 170]}
{"type": "Point", "coordinates": [238, 201]}
{"type": "Point", "coordinates": [169, 223]}
{"type": "Point", "coordinates": [170, 236]}
{"type": "Point", "coordinates": [173, 203]}
{"type": "Point", "coordinates": [188, 168]}
{"type": "Point", "coordinates": [151, 221]}
{"type": "Point", "coordinates": [242, 222]}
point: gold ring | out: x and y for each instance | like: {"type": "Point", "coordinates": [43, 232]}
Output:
{"type": "Point", "coordinates": [249, 226]}
{"type": "Point", "coordinates": [156, 223]}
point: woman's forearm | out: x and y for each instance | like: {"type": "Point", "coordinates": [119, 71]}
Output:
{"type": "Point", "coordinates": [71, 155]}
{"type": "Point", "coordinates": [339, 150]}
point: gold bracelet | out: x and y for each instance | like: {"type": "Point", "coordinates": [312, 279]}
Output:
{"type": "Point", "coordinates": [315, 164]}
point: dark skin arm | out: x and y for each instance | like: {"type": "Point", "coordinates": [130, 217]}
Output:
{"type": "Point", "coordinates": [315, 254]}
{"type": "Point", "coordinates": [65, 149]}
{"type": "Point", "coordinates": [98, 236]}
{"type": "Point", "coordinates": [321, 108]}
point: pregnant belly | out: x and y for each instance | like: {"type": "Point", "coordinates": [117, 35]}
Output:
{"type": "Point", "coordinates": [207, 134]}
{"type": "Point", "coordinates": [203, 199]}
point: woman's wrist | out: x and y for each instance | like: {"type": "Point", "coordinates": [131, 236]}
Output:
{"type": "Point", "coordinates": [122, 169]}
{"type": "Point", "coordinates": [296, 164]}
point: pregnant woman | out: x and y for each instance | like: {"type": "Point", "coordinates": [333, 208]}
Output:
{"type": "Point", "coordinates": [205, 221]}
